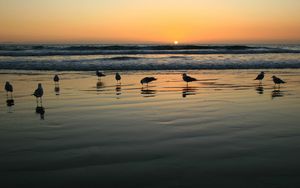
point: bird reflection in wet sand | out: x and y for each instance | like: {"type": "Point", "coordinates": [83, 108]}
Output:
{"type": "Point", "coordinates": [277, 93]}
{"type": "Point", "coordinates": [10, 103]}
{"type": "Point", "coordinates": [118, 89]}
{"type": "Point", "coordinates": [57, 90]}
{"type": "Point", "coordinates": [41, 111]}
{"type": "Point", "coordinates": [99, 85]}
{"type": "Point", "coordinates": [188, 91]}
{"type": "Point", "coordinates": [259, 89]}
{"type": "Point", "coordinates": [145, 92]}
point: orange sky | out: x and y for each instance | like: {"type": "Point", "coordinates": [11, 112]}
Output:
{"type": "Point", "coordinates": [143, 21]}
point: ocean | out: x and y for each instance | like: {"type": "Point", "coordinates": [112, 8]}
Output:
{"type": "Point", "coordinates": [87, 57]}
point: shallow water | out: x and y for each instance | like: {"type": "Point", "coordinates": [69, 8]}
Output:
{"type": "Point", "coordinates": [224, 130]}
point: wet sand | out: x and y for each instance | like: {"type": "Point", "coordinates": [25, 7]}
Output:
{"type": "Point", "coordinates": [224, 130]}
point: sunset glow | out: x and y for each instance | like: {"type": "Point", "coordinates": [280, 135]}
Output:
{"type": "Point", "coordinates": [145, 21]}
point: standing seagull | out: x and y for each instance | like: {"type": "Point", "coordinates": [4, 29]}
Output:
{"type": "Point", "coordinates": [118, 77]}
{"type": "Point", "coordinates": [187, 78]}
{"type": "Point", "coordinates": [147, 80]}
{"type": "Point", "coordinates": [8, 88]}
{"type": "Point", "coordinates": [100, 74]}
{"type": "Point", "coordinates": [277, 80]}
{"type": "Point", "coordinates": [260, 77]}
{"type": "Point", "coordinates": [38, 93]}
{"type": "Point", "coordinates": [56, 78]}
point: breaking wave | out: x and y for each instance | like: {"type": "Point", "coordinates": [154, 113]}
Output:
{"type": "Point", "coordinates": [148, 57]}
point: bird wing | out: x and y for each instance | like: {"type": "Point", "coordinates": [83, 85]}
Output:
{"type": "Point", "coordinates": [191, 78]}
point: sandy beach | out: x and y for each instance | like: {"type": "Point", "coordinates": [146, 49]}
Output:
{"type": "Point", "coordinates": [221, 131]}
{"type": "Point", "coordinates": [221, 111]}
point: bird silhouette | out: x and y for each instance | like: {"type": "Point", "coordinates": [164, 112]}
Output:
{"type": "Point", "coordinates": [118, 77]}
{"type": "Point", "coordinates": [277, 81]}
{"type": "Point", "coordinates": [187, 78]}
{"type": "Point", "coordinates": [260, 77]}
{"type": "Point", "coordinates": [100, 74]}
{"type": "Point", "coordinates": [56, 78]}
{"type": "Point", "coordinates": [39, 92]}
{"type": "Point", "coordinates": [147, 80]}
{"type": "Point", "coordinates": [8, 88]}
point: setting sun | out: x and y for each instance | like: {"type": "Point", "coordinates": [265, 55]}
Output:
{"type": "Point", "coordinates": [176, 42]}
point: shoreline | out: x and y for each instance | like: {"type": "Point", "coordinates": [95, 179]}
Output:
{"type": "Point", "coordinates": [26, 71]}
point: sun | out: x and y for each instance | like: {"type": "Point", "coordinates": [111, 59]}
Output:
{"type": "Point", "coordinates": [175, 42]}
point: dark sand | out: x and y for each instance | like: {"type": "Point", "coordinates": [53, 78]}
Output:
{"type": "Point", "coordinates": [222, 131]}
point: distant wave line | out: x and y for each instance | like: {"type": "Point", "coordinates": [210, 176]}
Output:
{"type": "Point", "coordinates": [64, 50]}
{"type": "Point", "coordinates": [16, 54]}
{"type": "Point", "coordinates": [150, 66]}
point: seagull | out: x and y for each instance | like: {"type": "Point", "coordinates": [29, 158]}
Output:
{"type": "Point", "coordinates": [9, 88]}
{"type": "Point", "coordinates": [260, 76]}
{"type": "Point", "coordinates": [38, 93]}
{"type": "Point", "coordinates": [147, 80]}
{"type": "Point", "coordinates": [187, 78]}
{"type": "Point", "coordinates": [100, 74]}
{"type": "Point", "coordinates": [277, 80]}
{"type": "Point", "coordinates": [118, 77]}
{"type": "Point", "coordinates": [56, 78]}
